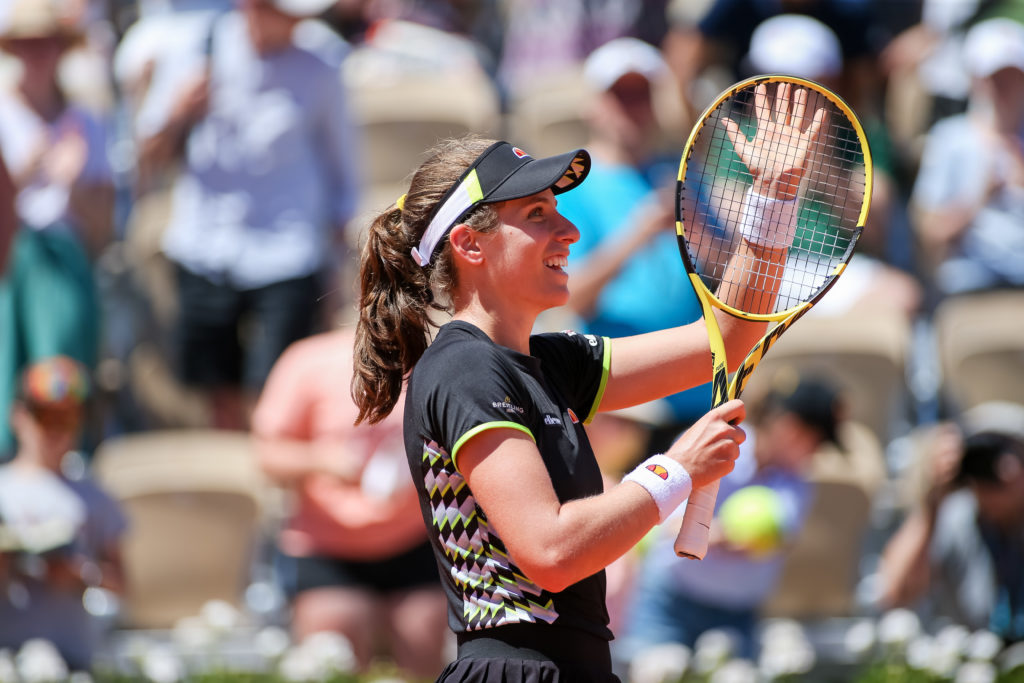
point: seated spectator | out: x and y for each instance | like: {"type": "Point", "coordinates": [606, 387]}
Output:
{"type": "Point", "coordinates": [969, 192]}
{"type": "Point", "coordinates": [959, 553]}
{"type": "Point", "coordinates": [62, 532]}
{"type": "Point", "coordinates": [268, 183]}
{"type": "Point", "coordinates": [354, 553]}
{"type": "Point", "coordinates": [675, 600]}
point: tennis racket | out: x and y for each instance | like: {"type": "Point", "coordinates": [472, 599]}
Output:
{"type": "Point", "coordinates": [799, 145]}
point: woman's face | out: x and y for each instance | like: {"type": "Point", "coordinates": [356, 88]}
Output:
{"type": "Point", "coordinates": [527, 256]}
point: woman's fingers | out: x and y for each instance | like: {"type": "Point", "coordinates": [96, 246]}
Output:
{"type": "Point", "coordinates": [736, 137]}
{"type": "Point", "coordinates": [761, 110]}
{"type": "Point", "coordinates": [782, 103]}
{"type": "Point", "coordinates": [799, 107]}
{"type": "Point", "coordinates": [820, 120]}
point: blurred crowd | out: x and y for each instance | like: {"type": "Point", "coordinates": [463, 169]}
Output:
{"type": "Point", "coordinates": [183, 187]}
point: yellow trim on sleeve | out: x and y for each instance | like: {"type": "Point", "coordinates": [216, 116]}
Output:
{"type": "Point", "coordinates": [606, 367]}
{"type": "Point", "coordinates": [482, 428]}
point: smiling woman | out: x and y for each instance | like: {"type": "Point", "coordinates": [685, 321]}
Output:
{"type": "Point", "coordinates": [509, 488]}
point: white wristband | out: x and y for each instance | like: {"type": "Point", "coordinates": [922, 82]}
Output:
{"type": "Point", "coordinates": [767, 222]}
{"type": "Point", "coordinates": [666, 480]}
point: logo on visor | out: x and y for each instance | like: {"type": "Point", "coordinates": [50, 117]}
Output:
{"type": "Point", "coordinates": [519, 153]}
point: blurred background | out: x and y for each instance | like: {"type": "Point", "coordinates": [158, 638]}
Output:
{"type": "Point", "coordinates": [183, 191]}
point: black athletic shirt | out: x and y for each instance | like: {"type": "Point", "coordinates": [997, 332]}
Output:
{"type": "Point", "coordinates": [465, 384]}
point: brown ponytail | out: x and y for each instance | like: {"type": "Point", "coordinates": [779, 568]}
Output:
{"type": "Point", "coordinates": [397, 296]}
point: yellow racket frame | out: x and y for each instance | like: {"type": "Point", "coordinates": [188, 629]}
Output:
{"type": "Point", "coordinates": [722, 389]}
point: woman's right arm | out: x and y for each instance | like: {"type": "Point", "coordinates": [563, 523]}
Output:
{"type": "Point", "coordinates": [557, 544]}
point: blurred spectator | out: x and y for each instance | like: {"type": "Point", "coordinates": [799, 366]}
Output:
{"type": "Point", "coordinates": [543, 37]}
{"type": "Point", "coordinates": [760, 508]}
{"type": "Point", "coordinates": [627, 277]}
{"type": "Point", "coordinates": [927, 57]}
{"type": "Point", "coordinates": [355, 557]}
{"type": "Point", "coordinates": [61, 532]}
{"type": "Point", "coordinates": [969, 193]}
{"type": "Point", "coordinates": [267, 186]}
{"type": "Point", "coordinates": [55, 153]}
{"type": "Point", "coordinates": [959, 553]}
{"type": "Point", "coordinates": [716, 42]}
{"type": "Point", "coordinates": [799, 45]}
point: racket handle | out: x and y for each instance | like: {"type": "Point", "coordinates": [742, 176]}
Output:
{"type": "Point", "coordinates": [692, 541]}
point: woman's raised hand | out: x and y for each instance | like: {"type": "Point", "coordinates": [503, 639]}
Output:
{"type": "Point", "coordinates": [777, 157]}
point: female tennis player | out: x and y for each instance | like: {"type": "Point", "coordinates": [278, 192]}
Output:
{"type": "Point", "coordinates": [494, 419]}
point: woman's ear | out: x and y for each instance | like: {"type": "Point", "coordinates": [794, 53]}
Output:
{"type": "Point", "coordinates": [465, 244]}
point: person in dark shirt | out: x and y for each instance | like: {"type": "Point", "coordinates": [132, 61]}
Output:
{"type": "Point", "coordinates": [509, 487]}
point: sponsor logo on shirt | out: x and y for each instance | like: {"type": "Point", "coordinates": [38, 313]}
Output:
{"type": "Point", "coordinates": [507, 406]}
{"type": "Point", "coordinates": [659, 470]}
{"type": "Point", "coordinates": [591, 339]}
{"type": "Point", "coordinates": [572, 416]}
{"type": "Point", "coordinates": [551, 420]}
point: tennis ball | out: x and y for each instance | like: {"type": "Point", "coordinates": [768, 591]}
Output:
{"type": "Point", "coordinates": [751, 519]}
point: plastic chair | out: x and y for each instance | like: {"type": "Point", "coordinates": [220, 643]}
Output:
{"type": "Point", "coordinates": [821, 569]}
{"type": "Point", "coordinates": [193, 499]}
{"type": "Point", "coordinates": [549, 118]}
{"type": "Point", "coordinates": [864, 352]}
{"type": "Point", "coordinates": [980, 338]}
{"type": "Point", "coordinates": [402, 116]}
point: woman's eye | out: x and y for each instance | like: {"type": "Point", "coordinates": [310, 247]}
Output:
{"type": "Point", "coordinates": [537, 212]}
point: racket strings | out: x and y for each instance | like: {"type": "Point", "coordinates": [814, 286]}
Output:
{"type": "Point", "coordinates": [829, 199]}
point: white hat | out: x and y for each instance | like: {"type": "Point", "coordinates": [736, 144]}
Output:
{"type": "Point", "coordinates": [621, 56]}
{"type": "Point", "coordinates": [1001, 417]}
{"type": "Point", "coordinates": [303, 8]}
{"type": "Point", "coordinates": [992, 45]}
{"type": "Point", "coordinates": [796, 45]}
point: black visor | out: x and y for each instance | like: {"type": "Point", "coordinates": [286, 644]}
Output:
{"type": "Point", "coordinates": [501, 173]}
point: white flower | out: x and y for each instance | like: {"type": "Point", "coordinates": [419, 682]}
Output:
{"type": "Point", "coordinates": [221, 616]}
{"type": "Point", "coordinates": [38, 661]}
{"type": "Point", "coordinates": [297, 665]}
{"type": "Point", "coordinates": [712, 649]}
{"type": "Point", "coordinates": [953, 637]}
{"type": "Point", "coordinates": [919, 651]}
{"type": "Point", "coordinates": [162, 665]}
{"type": "Point", "coordinates": [735, 671]}
{"type": "Point", "coordinates": [944, 662]}
{"type": "Point", "coordinates": [135, 647]}
{"type": "Point", "coordinates": [193, 633]}
{"type": "Point", "coordinates": [897, 627]}
{"type": "Point", "coordinates": [663, 663]}
{"type": "Point", "coordinates": [272, 642]}
{"type": "Point", "coordinates": [1012, 657]}
{"type": "Point", "coordinates": [983, 645]}
{"type": "Point", "coordinates": [976, 672]}
{"type": "Point", "coordinates": [783, 633]}
{"type": "Point", "coordinates": [860, 638]}
{"type": "Point", "coordinates": [8, 671]}
{"type": "Point", "coordinates": [330, 650]}
{"type": "Point", "coordinates": [786, 660]}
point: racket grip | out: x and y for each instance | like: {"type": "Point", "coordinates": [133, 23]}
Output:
{"type": "Point", "coordinates": [694, 534]}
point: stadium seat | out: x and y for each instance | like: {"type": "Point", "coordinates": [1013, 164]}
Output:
{"type": "Point", "coordinates": [404, 115]}
{"type": "Point", "coordinates": [980, 338]}
{"type": "Point", "coordinates": [821, 569]}
{"type": "Point", "coordinates": [863, 351]}
{"type": "Point", "coordinates": [193, 500]}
